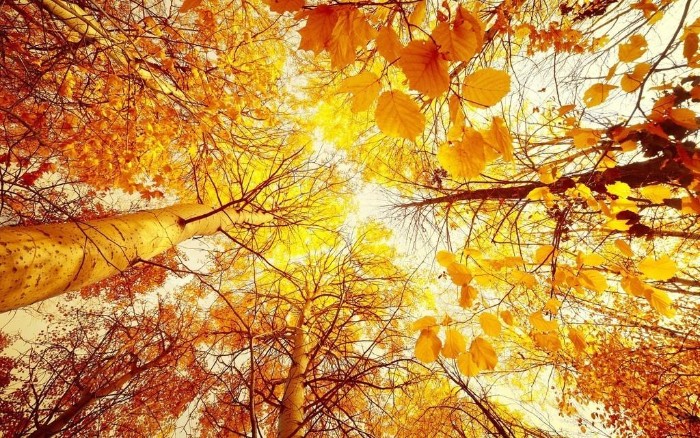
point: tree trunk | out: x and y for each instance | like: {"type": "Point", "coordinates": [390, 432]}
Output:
{"type": "Point", "coordinates": [39, 262]}
{"type": "Point", "coordinates": [291, 415]}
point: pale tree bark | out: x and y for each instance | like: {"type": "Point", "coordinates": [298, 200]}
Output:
{"type": "Point", "coordinates": [39, 262]}
{"type": "Point", "coordinates": [291, 418]}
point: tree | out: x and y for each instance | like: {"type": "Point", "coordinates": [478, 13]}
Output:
{"type": "Point", "coordinates": [545, 153]}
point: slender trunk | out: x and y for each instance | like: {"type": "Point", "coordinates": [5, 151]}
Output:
{"type": "Point", "coordinates": [291, 415]}
{"type": "Point", "coordinates": [39, 262]}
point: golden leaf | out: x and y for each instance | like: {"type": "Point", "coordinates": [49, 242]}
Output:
{"type": "Point", "coordinates": [507, 317]}
{"type": "Point", "coordinates": [684, 117]}
{"type": "Point", "coordinates": [351, 31]}
{"type": "Point", "coordinates": [455, 344]}
{"type": "Point", "coordinates": [364, 88]}
{"type": "Point", "coordinates": [459, 274]}
{"type": "Point", "coordinates": [624, 248]}
{"type": "Point", "coordinates": [483, 354]}
{"type": "Point", "coordinates": [597, 94]}
{"type": "Point", "coordinates": [632, 81]}
{"type": "Point", "coordinates": [388, 44]}
{"type": "Point", "coordinates": [523, 278]}
{"type": "Point", "coordinates": [690, 46]}
{"type": "Point", "coordinates": [457, 43]}
{"type": "Point", "coordinates": [467, 295]}
{"type": "Point", "coordinates": [418, 14]}
{"type": "Point", "coordinates": [633, 49]}
{"type": "Point", "coordinates": [445, 258]}
{"type": "Point", "coordinates": [423, 323]}
{"type": "Point", "coordinates": [547, 341]}
{"type": "Point", "coordinates": [428, 346]}
{"type": "Point", "coordinates": [578, 339]}
{"type": "Point", "coordinates": [661, 269]}
{"type": "Point", "coordinates": [552, 305]}
{"type": "Point", "coordinates": [592, 259]}
{"type": "Point", "coordinates": [593, 280]}
{"type": "Point", "coordinates": [499, 138]}
{"type": "Point", "coordinates": [619, 189]}
{"type": "Point", "coordinates": [486, 87]}
{"type": "Point", "coordinates": [425, 68]}
{"type": "Point", "coordinates": [661, 302]}
{"type": "Point", "coordinates": [397, 115]}
{"type": "Point", "coordinates": [490, 324]}
{"type": "Point", "coordinates": [539, 323]}
{"type": "Point", "coordinates": [544, 254]}
{"type": "Point", "coordinates": [465, 158]}
{"type": "Point", "coordinates": [467, 365]}
{"type": "Point", "coordinates": [656, 193]}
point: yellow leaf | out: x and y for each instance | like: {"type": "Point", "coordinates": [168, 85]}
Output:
{"type": "Point", "coordinates": [364, 88]}
{"type": "Point", "coordinates": [661, 269]}
{"type": "Point", "coordinates": [397, 115]}
{"type": "Point", "coordinates": [633, 49]}
{"type": "Point", "coordinates": [499, 138]}
{"type": "Point", "coordinates": [428, 346]}
{"type": "Point", "coordinates": [552, 305]}
{"type": "Point", "coordinates": [445, 258]}
{"type": "Point", "coordinates": [592, 259]}
{"type": "Point", "coordinates": [454, 344]}
{"type": "Point", "coordinates": [684, 117]}
{"type": "Point", "coordinates": [388, 44]}
{"type": "Point", "coordinates": [656, 193]}
{"type": "Point", "coordinates": [459, 274]}
{"type": "Point", "coordinates": [282, 6]}
{"type": "Point", "coordinates": [465, 158]}
{"type": "Point", "coordinates": [188, 5]}
{"type": "Point", "coordinates": [423, 323]}
{"type": "Point", "coordinates": [634, 286]}
{"type": "Point", "coordinates": [467, 365]}
{"type": "Point", "coordinates": [467, 295]}
{"type": "Point", "coordinates": [418, 14]}
{"type": "Point", "coordinates": [483, 354]}
{"type": "Point", "coordinates": [425, 68]}
{"type": "Point", "coordinates": [578, 339]}
{"type": "Point", "coordinates": [539, 323]}
{"type": "Point", "coordinates": [547, 341]}
{"type": "Point", "coordinates": [593, 280]}
{"type": "Point", "coordinates": [661, 302]}
{"type": "Point", "coordinates": [490, 324]}
{"type": "Point", "coordinates": [632, 81]}
{"type": "Point", "coordinates": [507, 317]}
{"type": "Point", "coordinates": [523, 278]}
{"type": "Point", "coordinates": [317, 32]}
{"type": "Point", "coordinates": [456, 44]}
{"type": "Point", "coordinates": [584, 137]}
{"type": "Point", "coordinates": [597, 94]}
{"type": "Point", "coordinates": [486, 87]}
{"type": "Point", "coordinates": [544, 254]}
{"type": "Point", "coordinates": [623, 190]}
{"type": "Point", "coordinates": [624, 248]}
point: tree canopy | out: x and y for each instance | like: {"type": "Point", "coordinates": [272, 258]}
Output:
{"type": "Point", "coordinates": [331, 218]}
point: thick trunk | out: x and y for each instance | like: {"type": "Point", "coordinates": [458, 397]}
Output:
{"type": "Point", "coordinates": [291, 415]}
{"type": "Point", "coordinates": [645, 173]}
{"type": "Point", "coordinates": [39, 262]}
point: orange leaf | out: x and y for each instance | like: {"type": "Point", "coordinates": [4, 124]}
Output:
{"type": "Point", "coordinates": [425, 68]}
{"type": "Point", "coordinates": [467, 365]}
{"type": "Point", "coordinates": [490, 323]}
{"type": "Point", "coordinates": [578, 339]}
{"type": "Point", "coordinates": [456, 44]}
{"type": "Point", "coordinates": [316, 35]}
{"type": "Point", "coordinates": [459, 274]}
{"type": "Point", "coordinates": [397, 115]}
{"type": "Point", "coordinates": [350, 32]}
{"type": "Point", "coordinates": [483, 354]}
{"type": "Point", "coordinates": [454, 344]}
{"type": "Point", "coordinates": [467, 295]}
{"type": "Point", "coordinates": [428, 346]}
{"type": "Point", "coordinates": [445, 258]}
{"type": "Point", "coordinates": [499, 138]}
{"type": "Point", "coordinates": [632, 81]}
{"type": "Point", "coordinates": [486, 87]}
{"type": "Point", "coordinates": [684, 117]}
{"type": "Point", "coordinates": [282, 6]}
{"type": "Point", "coordinates": [188, 5]}
{"type": "Point", "coordinates": [364, 87]}
{"type": "Point", "coordinates": [388, 44]}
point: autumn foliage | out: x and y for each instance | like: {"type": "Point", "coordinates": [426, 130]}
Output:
{"type": "Point", "coordinates": [533, 269]}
